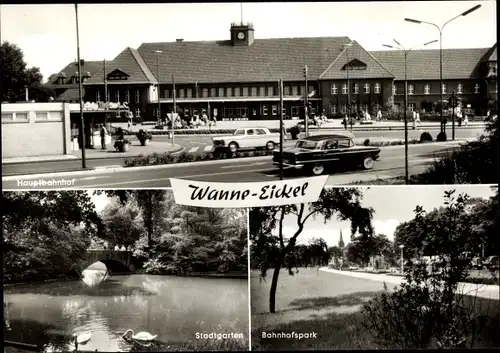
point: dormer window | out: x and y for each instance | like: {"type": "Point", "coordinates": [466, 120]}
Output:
{"type": "Point", "coordinates": [86, 76]}
{"type": "Point", "coordinates": [117, 75]}
{"type": "Point", "coordinates": [74, 78]}
{"type": "Point", "coordinates": [354, 65]}
{"type": "Point", "coordinates": [61, 78]}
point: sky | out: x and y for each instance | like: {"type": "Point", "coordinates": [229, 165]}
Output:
{"type": "Point", "coordinates": [47, 33]}
{"type": "Point", "coordinates": [392, 205]}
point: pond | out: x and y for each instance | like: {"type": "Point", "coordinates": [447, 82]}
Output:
{"type": "Point", "coordinates": [174, 308]}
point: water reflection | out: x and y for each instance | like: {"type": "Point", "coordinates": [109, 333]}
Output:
{"type": "Point", "coordinates": [173, 308]}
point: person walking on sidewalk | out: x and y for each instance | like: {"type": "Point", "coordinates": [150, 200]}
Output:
{"type": "Point", "coordinates": [104, 133]}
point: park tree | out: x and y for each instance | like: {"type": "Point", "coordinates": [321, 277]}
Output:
{"type": "Point", "coordinates": [16, 77]}
{"type": "Point", "coordinates": [122, 223]}
{"type": "Point", "coordinates": [335, 252]}
{"type": "Point", "coordinates": [150, 204]}
{"type": "Point", "coordinates": [46, 233]}
{"type": "Point", "coordinates": [344, 203]}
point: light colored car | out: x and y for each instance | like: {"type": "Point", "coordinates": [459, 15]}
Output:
{"type": "Point", "coordinates": [246, 139]}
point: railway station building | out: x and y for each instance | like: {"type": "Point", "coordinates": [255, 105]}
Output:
{"type": "Point", "coordinates": [237, 78]}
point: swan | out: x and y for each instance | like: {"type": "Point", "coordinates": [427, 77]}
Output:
{"type": "Point", "coordinates": [141, 336]}
{"type": "Point", "coordinates": [81, 339]}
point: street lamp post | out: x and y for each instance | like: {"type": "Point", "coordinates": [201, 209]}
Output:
{"type": "Point", "coordinates": [440, 29]}
{"type": "Point", "coordinates": [402, 258]}
{"type": "Point", "coordinates": [346, 47]}
{"type": "Point", "coordinates": [158, 52]}
{"type": "Point", "coordinates": [80, 90]}
{"type": "Point", "coordinates": [406, 51]}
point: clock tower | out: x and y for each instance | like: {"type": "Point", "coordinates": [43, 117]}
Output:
{"type": "Point", "coordinates": [241, 34]}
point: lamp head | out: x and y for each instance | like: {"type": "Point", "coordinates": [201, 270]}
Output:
{"type": "Point", "coordinates": [401, 246]}
{"type": "Point", "coordinates": [388, 46]}
{"type": "Point", "coordinates": [432, 41]}
{"type": "Point", "coordinates": [158, 51]}
{"type": "Point", "coordinates": [471, 10]}
{"type": "Point", "coordinates": [412, 20]}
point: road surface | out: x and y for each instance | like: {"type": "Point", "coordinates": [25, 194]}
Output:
{"type": "Point", "coordinates": [197, 144]}
{"type": "Point", "coordinates": [390, 164]}
{"type": "Point", "coordinates": [203, 143]}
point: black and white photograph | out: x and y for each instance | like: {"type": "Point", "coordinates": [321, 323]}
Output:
{"type": "Point", "coordinates": [122, 271]}
{"type": "Point", "coordinates": [130, 95]}
{"type": "Point", "coordinates": [381, 267]}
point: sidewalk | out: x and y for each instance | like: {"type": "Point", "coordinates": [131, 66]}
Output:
{"type": "Point", "coordinates": [479, 290]}
{"type": "Point", "coordinates": [135, 150]}
{"type": "Point", "coordinates": [91, 154]}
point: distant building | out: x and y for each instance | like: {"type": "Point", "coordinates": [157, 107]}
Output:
{"type": "Point", "coordinates": [341, 241]}
{"type": "Point", "coordinates": [237, 79]}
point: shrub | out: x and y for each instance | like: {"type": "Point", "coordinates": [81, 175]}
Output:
{"type": "Point", "coordinates": [425, 137]}
{"type": "Point", "coordinates": [428, 310]}
{"type": "Point", "coordinates": [294, 131]}
{"type": "Point", "coordinates": [366, 142]}
{"type": "Point", "coordinates": [441, 137]}
{"type": "Point", "coordinates": [144, 135]}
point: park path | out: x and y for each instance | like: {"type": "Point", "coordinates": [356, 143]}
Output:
{"type": "Point", "coordinates": [479, 290]}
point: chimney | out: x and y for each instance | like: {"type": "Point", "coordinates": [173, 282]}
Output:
{"type": "Point", "coordinates": [179, 40]}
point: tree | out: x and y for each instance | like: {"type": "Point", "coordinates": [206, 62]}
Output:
{"type": "Point", "coordinates": [345, 203]}
{"type": "Point", "coordinates": [483, 214]}
{"type": "Point", "coordinates": [150, 203]}
{"type": "Point", "coordinates": [15, 76]}
{"type": "Point", "coordinates": [46, 233]}
{"type": "Point", "coordinates": [123, 224]}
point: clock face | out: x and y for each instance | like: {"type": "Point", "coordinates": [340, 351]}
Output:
{"type": "Point", "coordinates": [241, 35]}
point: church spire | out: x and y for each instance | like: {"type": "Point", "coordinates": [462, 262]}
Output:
{"type": "Point", "coordinates": [341, 241]}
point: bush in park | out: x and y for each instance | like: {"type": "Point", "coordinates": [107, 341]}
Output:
{"type": "Point", "coordinates": [441, 137]}
{"type": "Point", "coordinates": [428, 310]}
{"type": "Point", "coordinates": [425, 137]}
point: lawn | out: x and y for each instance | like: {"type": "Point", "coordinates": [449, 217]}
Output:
{"type": "Point", "coordinates": [327, 304]}
{"type": "Point", "coordinates": [311, 301]}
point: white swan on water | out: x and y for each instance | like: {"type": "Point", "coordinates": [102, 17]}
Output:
{"type": "Point", "coordinates": [141, 336]}
{"type": "Point", "coordinates": [81, 339]}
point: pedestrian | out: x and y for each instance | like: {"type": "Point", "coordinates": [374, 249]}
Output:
{"type": "Point", "coordinates": [104, 133]}
{"type": "Point", "coordinates": [466, 120]}
{"type": "Point", "coordinates": [379, 115]}
{"type": "Point", "coordinates": [418, 118]}
{"type": "Point", "coordinates": [459, 118]}
{"type": "Point", "coordinates": [344, 122]}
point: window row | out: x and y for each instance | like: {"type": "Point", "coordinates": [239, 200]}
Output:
{"type": "Point", "coordinates": [444, 89]}
{"type": "Point", "coordinates": [263, 91]}
{"type": "Point", "coordinates": [334, 109]}
{"type": "Point", "coordinates": [355, 88]}
{"type": "Point", "coordinates": [118, 98]}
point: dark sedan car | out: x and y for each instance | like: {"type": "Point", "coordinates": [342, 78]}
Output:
{"type": "Point", "coordinates": [316, 153]}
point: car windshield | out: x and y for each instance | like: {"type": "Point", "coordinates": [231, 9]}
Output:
{"type": "Point", "coordinates": [307, 144]}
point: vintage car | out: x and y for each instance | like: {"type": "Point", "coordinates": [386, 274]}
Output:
{"type": "Point", "coordinates": [245, 139]}
{"type": "Point", "coordinates": [316, 153]}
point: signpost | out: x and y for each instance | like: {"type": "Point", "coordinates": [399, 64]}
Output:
{"type": "Point", "coordinates": [282, 132]}
{"type": "Point", "coordinates": [453, 103]}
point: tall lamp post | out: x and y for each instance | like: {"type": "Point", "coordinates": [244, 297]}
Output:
{"type": "Point", "coordinates": [402, 259]}
{"type": "Point", "coordinates": [158, 52]}
{"type": "Point", "coordinates": [346, 48]}
{"type": "Point", "coordinates": [440, 29]}
{"type": "Point", "coordinates": [406, 51]}
{"type": "Point", "coordinates": [80, 90]}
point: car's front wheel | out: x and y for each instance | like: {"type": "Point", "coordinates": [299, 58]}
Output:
{"type": "Point", "coordinates": [270, 146]}
{"type": "Point", "coordinates": [368, 163]}
{"type": "Point", "coordinates": [318, 169]}
{"type": "Point", "coordinates": [233, 147]}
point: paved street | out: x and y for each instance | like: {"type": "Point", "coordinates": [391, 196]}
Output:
{"type": "Point", "coordinates": [391, 164]}
{"type": "Point", "coordinates": [481, 290]}
{"type": "Point", "coordinates": [191, 144]}
{"type": "Point", "coordinates": [203, 143]}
